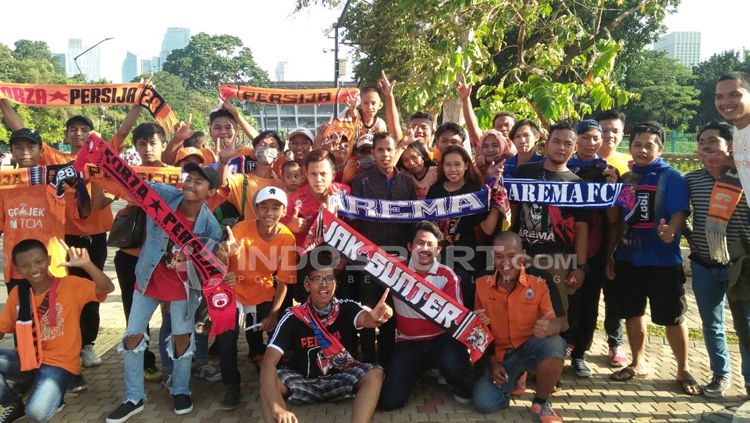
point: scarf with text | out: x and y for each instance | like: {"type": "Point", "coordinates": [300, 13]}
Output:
{"type": "Point", "coordinates": [332, 354]}
{"type": "Point", "coordinates": [169, 175]}
{"type": "Point", "coordinates": [220, 298]}
{"type": "Point", "coordinates": [641, 220]}
{"type": "Point", "coordinates": [405, 284]}
{"type": "Point", "coordinates": [285, 96]}
{"type": "Point", "coordinates": [28, 327]}
{"type": "Point", "coordinates": [550, 193]}
{"type": "Point", "coordinates": [39, 95]}
{"type": "Point", "coordinates": [725, 196]}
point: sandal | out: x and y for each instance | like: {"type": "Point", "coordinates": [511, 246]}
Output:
{"type": "Point", "coordinates": [689, 385]}
{"type": "Point", "coordinates": [627, 374]}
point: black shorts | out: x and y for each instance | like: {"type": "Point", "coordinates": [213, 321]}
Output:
{"type": "Point", "coordinates": [664, 287]}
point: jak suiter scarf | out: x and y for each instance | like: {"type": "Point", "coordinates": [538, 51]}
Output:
{"type": "Point", "coordinates": [725, 196]}
{"type": "Point", "coordinates": [332, 354]}
{"type": "Point", "coordinates": [219, 297]}
{"type": "Point", "coordinates": [92, 95]}
{"type": "Point", "coordinates": [405, 284]}
{"type": "Point", "coordinates": [28, 327]}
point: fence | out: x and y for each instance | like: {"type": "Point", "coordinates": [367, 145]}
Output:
{"type": "Point", "coordinates": [676, 142]}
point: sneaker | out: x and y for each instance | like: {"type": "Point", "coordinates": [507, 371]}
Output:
{"type": "Point", "coordinates": [89, 357]}
{"type": "Point", "coordinates": [13, 412]}
{"type": "Point", "coordinates": [78, 384]}
{"type": "Point", "coordinates": [182, 404]}
{"type": "Point", "coordinates": [462, 400]}
{"type": "Point", "coordinates": [231, 398]}
{"type": "Point", "coordinates": [717, 387]}
{"type": "Point", "coordinates": [545, 414]}
{"type": "Point", "coordinates": [520, 387]}
{"type": "Point", "coordinates": [442, 381]}
{"type": "Point", "coordinates": [125, 411]}
{"type": "Point", "coordinates": [580, 367]}
{"type": "Point", "coordinates": [207, 372]}
{"type": "Point", "coordinates": [152, 374]}
{"type": "Point", "coordinates": [617, 357]}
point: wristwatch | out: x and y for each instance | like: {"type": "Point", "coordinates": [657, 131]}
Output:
{"type": "Point", "coordinates": [584, 267]}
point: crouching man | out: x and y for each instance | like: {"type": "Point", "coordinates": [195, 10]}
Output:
{"type": "Point", "coordinates": [317, 333]}
{"type": "Point", "coordinates": [519, 312]}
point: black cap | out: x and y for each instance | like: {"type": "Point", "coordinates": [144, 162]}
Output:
{"type": "Point", "coordinates": [79, 119]}
{"type": "Point", "coordinates": [25, 134]}
{"type": "Point", "coordinates": [206, 171]}
{"type": "Point", "coordinates": [587, 124]}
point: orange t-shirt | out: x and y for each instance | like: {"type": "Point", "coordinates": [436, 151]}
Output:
{"type": "Point", "coordinates": [32, 213]}
{"type": "Point", "coordinates": [61, 345]}
{"type": "Point", "coordinates": [258, 261]}
{"type": "Point", "coordinates": [232, 192]}
{"type": "Point", "coordinates": [512, 314]}
{"type": "Point", "coordinates": [99, 221]}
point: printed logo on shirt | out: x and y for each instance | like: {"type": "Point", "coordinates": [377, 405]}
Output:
{"type": "Point", "coordinates": [25, 217]}
{"type": "Point", "coordinates": [529, 294]}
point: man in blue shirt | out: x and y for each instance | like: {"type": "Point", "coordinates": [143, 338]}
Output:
{"type": "Point", "coordinates": [647, 263]}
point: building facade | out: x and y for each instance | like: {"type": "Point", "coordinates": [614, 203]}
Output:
{"type": "Point", "coordinates": [89, 62]}
{"type": "Point", "coordinates": [685, 47]}
{"type": "Point", "coordinates": [130, 67]}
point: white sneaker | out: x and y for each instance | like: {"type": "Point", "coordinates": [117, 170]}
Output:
{"type": "Point", "coordinates": [89, 357]}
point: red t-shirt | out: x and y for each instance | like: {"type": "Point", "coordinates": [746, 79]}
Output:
{"type": "Point", "coordinates": [166, 282]}
{"type": "Point", "coordinates": [308, 208]}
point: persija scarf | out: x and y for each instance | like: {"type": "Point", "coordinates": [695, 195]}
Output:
{"type": "Point", "coordinates": [38, 95]}
{"type": "Point", "coordinates": [725, 196]}
{"type": "Point", "coordinates": [28, 327]}
{"type": "Point", "coordinates": [430, 302]}
{"type": "Point", "coordinates": [55, 177]}
{"type": "Point", "coordinates": [642, 220]}
{"type": "Point", "coordinates": [332, 354]}
{"type": "Point", "coordinates": [282, 96]}
{"type": "Point", "coordinates": [220, 298]}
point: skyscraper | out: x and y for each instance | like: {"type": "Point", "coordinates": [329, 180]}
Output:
{"type": "Point", "coordinates": [130, 67]}
{"type": "Point", "coordinates": [174, 38]}
{"type": "Point", "coordinates": [152, 65]}
{"type": "Point", "coordinates": [89, 62]}
{"type": "Point", "coordinates": [685, 47]}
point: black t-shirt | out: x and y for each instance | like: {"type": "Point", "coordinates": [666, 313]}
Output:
{"type": "Point", "coordinates": [294, 336]}
{"type": "Point", "coordinates": [534, 224]}
{"type": "Point", "coordinates": [461, 230]}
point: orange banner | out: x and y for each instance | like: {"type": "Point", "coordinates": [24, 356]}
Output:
{"type": "Point", "coordinates": [92, 95]}
{"type": "Point", "coordinates": [281, 96]}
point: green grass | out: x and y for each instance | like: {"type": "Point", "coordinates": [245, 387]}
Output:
{"type": "Point", "coordinates": [693, 333]}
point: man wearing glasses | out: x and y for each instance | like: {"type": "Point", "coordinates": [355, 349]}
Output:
{"type": "Point", "coordinates": [318, 334]}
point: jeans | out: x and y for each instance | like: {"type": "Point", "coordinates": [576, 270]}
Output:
{"type": "Point", "coordinates": [741, 315]}
{"type": "Point", "coordinates": [489, 398]}
{"type": "Point", "coordinates": [143, 308]}
{"type": "Point", "coordinates": [47, 390]}
{"type": "Point", "coordinates": [201, 343]}
{"type": "Point", "coordinates": [710, 288]}
{"type": "Point", "coordinates": [125, 269]}
{"type": "Point", "coordinates": [96, 245]}
{"type": "Point", "coordinates": [409, 361]}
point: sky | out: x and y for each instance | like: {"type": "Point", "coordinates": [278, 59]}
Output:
{"type": "Point", "coordinates": [271, 29]}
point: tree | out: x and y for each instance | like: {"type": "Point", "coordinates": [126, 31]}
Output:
{"type": "Point", "coordinates": [210, 60]}
{"type": "Point", "coordinates": [665, 91]}
{"type": "Point", "coordinates": [547, 59]}
{"type": "Point", "coordinates": [706, 74]}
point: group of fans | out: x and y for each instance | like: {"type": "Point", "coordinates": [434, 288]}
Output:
{"type": "Point", "coordinates": [538, 289]}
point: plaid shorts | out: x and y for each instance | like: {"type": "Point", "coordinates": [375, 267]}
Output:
{"type": "Point", "coordinates": [335, 387]}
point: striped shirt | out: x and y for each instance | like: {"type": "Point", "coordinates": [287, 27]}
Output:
{"type": "Point", "coordinates": [411, 325]}
{"type": "Point", "coordinates": [700, 183]}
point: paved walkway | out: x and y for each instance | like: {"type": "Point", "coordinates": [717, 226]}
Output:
{"type": "Point", "coordinates": [654, 398]}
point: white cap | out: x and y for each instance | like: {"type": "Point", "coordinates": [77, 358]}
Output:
{"type": "Point", "coordinates": [364, 140]}
{"type": "Point", "coordinates": [271, 193]}
{"type": "Point", "coordinates": [304, 131]}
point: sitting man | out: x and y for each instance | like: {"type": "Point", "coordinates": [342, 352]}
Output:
{"type": "Point", "coordinates": [317, 333]}
{"type": "Point", "coordinates": [49, 343]}
{"type": "Point", "coordinates": [420, 343]}
{"type": "Point", "coordinates": [518, 309]}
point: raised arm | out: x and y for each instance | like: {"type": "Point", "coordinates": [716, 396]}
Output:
{"type": "Point", "coordinates": [248, 129]}
{"type": "Point", "coordinates": [181, 133]}
{"type": "Point", "coordinates": [392, 118]}
{"type": "Point", "coordinates": [472, 125]}
{"type": "Point", "coordinates": [79, 257]}
{"type": "Point", "coordinates": [11, 117]}
{"type": "Point", "coordinates": [127, 125]}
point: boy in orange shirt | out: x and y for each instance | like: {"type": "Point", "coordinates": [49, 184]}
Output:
{"type": "Point", "coordinates": [44, 312]}
{"type": "Point", "coordinates": [263, 254]}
